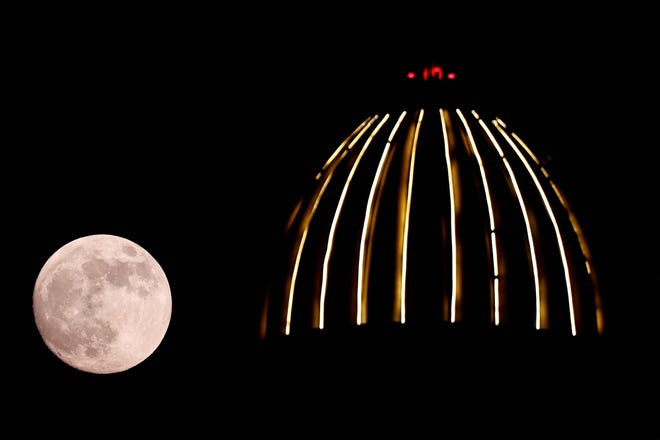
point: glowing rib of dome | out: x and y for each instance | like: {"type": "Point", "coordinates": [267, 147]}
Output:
{"type": "Point", "coordinates": [452, 206]}
{"type": "Point", "coordinates": [491, 220]}
{"type": "Point", "coordinates": [528, 228]}
{"type": "Point", "coordinates": [406, 220]}
{"type": "Point", "coordinates": [551, 215]}
{"type": "Point", "coordinates": [307, 217]}
{"type": "Point", "coordinates": [331, 236]}
{"type": "Point", "coordinates": [382, 237]}
{"type": "Point", "coordinates": [364, 254]}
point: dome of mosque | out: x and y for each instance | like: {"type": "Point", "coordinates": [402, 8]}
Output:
{"type": "Point", "coordinates": [434, 215]}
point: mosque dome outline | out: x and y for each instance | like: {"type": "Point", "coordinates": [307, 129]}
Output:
{"type": "Point", "coordinates": [433, 217]}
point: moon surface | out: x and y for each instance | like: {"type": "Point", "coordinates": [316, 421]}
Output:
{"type": "Point", "coordinates": [102, 304]}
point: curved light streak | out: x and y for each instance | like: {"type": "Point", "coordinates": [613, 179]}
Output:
{"type": "Point", "coordinates": [491, 221]}
{"type": "Point", "coordinates": [335, 220]}
{"type": "Point", "coordinates": [309, 214]}
{"type": "Point", "coordinates": [361, 315]}
{"type": "Point", "coordinates": [528, 226]}
{"type": "Point", "coordinates": [406, 225]}
{"type": "Point", "coordinates": [584, 248]}
{"type": "Point", "coordinates": [551, 214]}
{"type": "Point", "coordinates": [452, 207]}
{"type": "Point", "coordinates": [600, 324]}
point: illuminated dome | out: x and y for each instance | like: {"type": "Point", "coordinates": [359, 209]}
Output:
{"type": "Point", "coordinates": [435, 216]}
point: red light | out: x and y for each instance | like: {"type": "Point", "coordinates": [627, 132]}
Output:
{"type": "Point", "coordinates": [436, 72]}
{"type": "Point", "coordinates": [431, 72]}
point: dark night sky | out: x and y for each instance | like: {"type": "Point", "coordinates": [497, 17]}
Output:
{"type": "Point", "coordinates": [191, 132]}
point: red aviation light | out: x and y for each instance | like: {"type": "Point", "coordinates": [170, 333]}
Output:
{"type": "Point", "coordinates": [433, 72]}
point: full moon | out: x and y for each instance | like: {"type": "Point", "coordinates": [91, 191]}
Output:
{"type": "Point", "coordinates": [102, 304]}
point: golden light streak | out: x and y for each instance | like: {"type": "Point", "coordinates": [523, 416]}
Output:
{"type": "Point", "coordinates": [586, 253]}
{"type": "Point", "coordinates": [406, 222]}
{"type": "Point", "coordinates": [553, 219]}
{"type": "Point", "coordinates": [307, 219]}
{"type": "Point", "coordinates": [327, 163]}
{"type": "Point", "coordinates": [531, 154]}
{"type": "Point", "coordinates": [333, 227]}
{"type": "Point", "coordinates": [294, 214]}
{"type": "Point", "coordinates": [301, 243]}
{"type": "Point", "coordinates": [365, 248]}
{"type": "Point", "coordinates": [496, 278]}
{"type": "Point", "coordinates": [491, 219]}
{"type": "Point", "coordinates": [452, 205]}
{"type": "Point", "coordinates": [341, 147]}
{"type": "Point", "coordinates": [528, 226]}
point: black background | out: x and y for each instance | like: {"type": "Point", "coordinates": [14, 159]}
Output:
{"type": "Point", "coordinates": [191, 132]}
